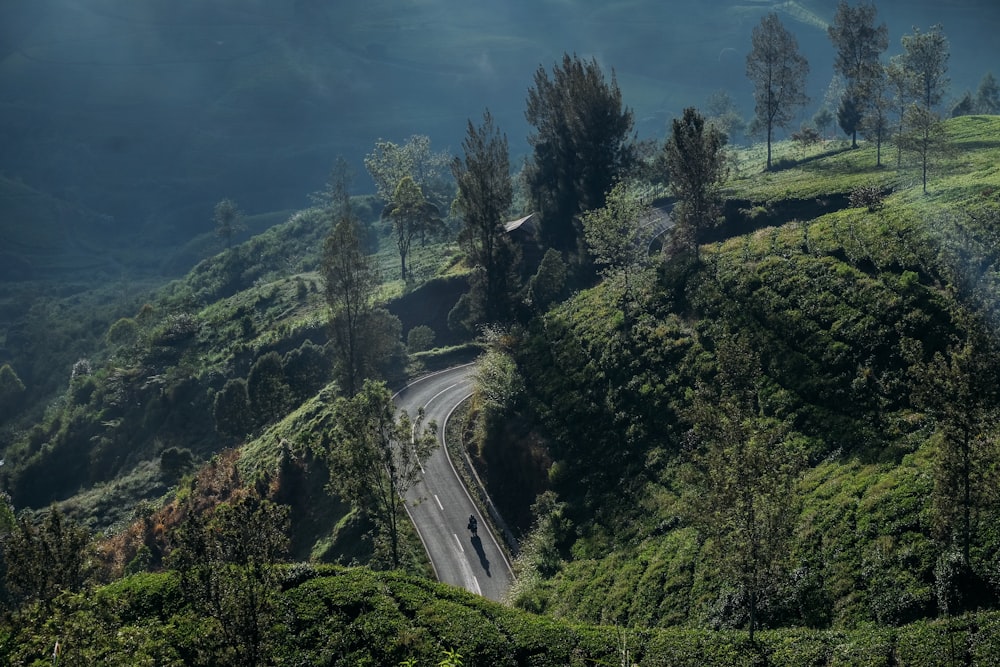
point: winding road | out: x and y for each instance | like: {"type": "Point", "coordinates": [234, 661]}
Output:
{"type": "Point", "coordinates": [439, 505]}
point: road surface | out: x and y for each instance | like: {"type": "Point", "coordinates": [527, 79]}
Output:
{"type": "Point", "coordinates": [440, 505]}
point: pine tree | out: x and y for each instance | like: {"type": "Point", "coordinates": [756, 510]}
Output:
{"type": "Point", "coordinates": [581, 145]}
{"type": "Point", "coordinates": [485, 194]}
{"type": "Point", "coordinates": [696, 168]}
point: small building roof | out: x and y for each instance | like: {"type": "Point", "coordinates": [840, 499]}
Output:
{"type": "Point", "coordinates": [516, 224]}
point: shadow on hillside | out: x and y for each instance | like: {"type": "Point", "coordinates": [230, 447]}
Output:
{"type": "Point", "coordinates": [785, 163]}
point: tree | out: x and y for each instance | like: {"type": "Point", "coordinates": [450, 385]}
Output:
{"type": "Point", "coordinates": [741, 474]}
{"type": "Point", "coordinates": [581, 145]}
{"type": "Point", "coordinates": [778, 73]}
{"type": "Point", "coordinates": [823, 119]}
{"type": "Point", "coordinates": [988, 95]}
{"type": "Point", "coordinates": [925, 58]}
{"type": "Point", "coordinates": [228, 221]}
{"type": "Point", "coordinates": [859, 44]}
{"type": "Point", "coordinates": [958, 389]}
{"type": "Point", "coordinates": [485, 194]}
{"type": "Point", "coordinates": [375, 457]}
{"type": "Point", "coordinates": [925, 137]}
{"type": "Point", "coordinates": [618, 236]}
{"type": "Point", "coordinates": [696, 166]}
{"type": "Point", "coordinates": [849, 117]}
{"type": "Point", "coordinates": [307, 369]}
{"type": "Point", "coordinates": [411, 215]}
{"type": "Point", "coordinates": [227, 560]}
{"type": "Point", "coordinates": [722, 112]}
{"type": "Point", "coordinates": [875, 123]}
{"type": "Point", "coordinates": [267, 390]}
{"type": "Point", "coordinates": [900, 83]}
{"type": "Point", "coordinates": [548, 285]}
{"type": "Point", "coordinates": [964, 107]}
{"type": "Point", "coordinates": [231, 409]}
{"type": "Point", "coordinates": [389, 163]}
{"type": "Point", "coordinates": [45, 559]}
{"type": "Point", "coordinates": [350, 279]}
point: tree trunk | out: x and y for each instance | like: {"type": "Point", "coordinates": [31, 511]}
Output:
{"type": "Point", "coordinates": [769, 131]}
{"type": "Point", "coordinates": [966, 497]}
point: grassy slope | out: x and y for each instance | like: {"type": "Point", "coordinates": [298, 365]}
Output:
{"type": "Point", "coordinates": [830, 302]}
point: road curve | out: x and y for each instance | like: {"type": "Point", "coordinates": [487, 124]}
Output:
{"type": "Point", "coordinates": [439, 505]}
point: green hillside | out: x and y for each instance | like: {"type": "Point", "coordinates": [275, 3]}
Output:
{"type": "Point", "coordinates": [845, 313]}
{"type": "Point", "coordinates": [776, 428]}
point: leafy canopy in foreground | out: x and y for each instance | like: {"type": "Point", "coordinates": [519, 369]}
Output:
{"type": "Point", "coordinates": [375, 457]}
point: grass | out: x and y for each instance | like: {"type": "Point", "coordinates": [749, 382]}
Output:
{"type": "Point", "coordinates": [967, 178]}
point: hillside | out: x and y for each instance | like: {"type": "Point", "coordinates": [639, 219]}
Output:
{"type": "Point", "coordinates": [845, 312]}
{"type": "Point", "coordinates": [833, 352]}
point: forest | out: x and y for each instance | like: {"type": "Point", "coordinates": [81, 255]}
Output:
{"type": "Point", "coordinates": [735, 395]}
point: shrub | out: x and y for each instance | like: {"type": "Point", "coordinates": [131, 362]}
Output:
{"type": "Point", "coordinates": [123, 332]}
{"type": "Point", "coordinates": [420, 338]}
{"type": "Point", "coordinates": [267, 388]}
{"type": "Point", "coordinates": [307, 369]}
{"type": "Point", "coordinates": [869, 195]}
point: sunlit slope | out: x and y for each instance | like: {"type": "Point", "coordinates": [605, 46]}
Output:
{"type": "Point", "coordinates": [836, 306]}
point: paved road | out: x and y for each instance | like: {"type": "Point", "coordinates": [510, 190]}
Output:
{"type": "Point", "coordinates": [440, 506]}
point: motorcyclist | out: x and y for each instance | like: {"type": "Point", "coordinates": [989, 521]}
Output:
{"type": "Point", "coordinates": [473, 524]}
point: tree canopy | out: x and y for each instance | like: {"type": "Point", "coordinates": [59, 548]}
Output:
{"type": "Point", "coordinates": [485, 194]}
{"type": "Point", "coordinates": [696, 166]}
{"type": "Point", "coordinates": [581, 144]}
{"type": "Point", "coordinates": [925, 57]}
{"type": "Point", "coordinates": [350, 279]}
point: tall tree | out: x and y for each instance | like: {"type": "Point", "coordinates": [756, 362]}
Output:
{"type": "Point", "coordinates": [350, 279]}
{"type": "Point", "coordinates": [925, 57]}
{"type": "Point", "coordinates": [411, 215]}
{"type": "Point", "coordinates": [581, 145]}
{"type": "Point", "coordinates": [849, 117]}
{"type": "Point", "coordinates": [375, 457]}
{"type": "Point", "coordinates": [924, 136]}
{"type": "Point", "coordinates": [778, 73]}
{"type": "Point", "coordinates": [859, 44]}
{"type": "Point", "coordinates": [959, 390]}
{"type": "Point", "coordinates": [618, 236]}
{"type": "Point", "coordinates": [485, 195]}
{"type": "Point", "coordinates": [901, 90]}
{"type": "Point", "coordinates": [875, 123]}
{"type": "Point", "coordinates": [696, 166]}
{"type": "Point", "coordinates": [742, 470]}
{"type": "Point", "coordinates": [228, 221]}
{"type": "Point", "coordinates": [389, 163]}
{"type": "Point", "coordinates": [988, 95]}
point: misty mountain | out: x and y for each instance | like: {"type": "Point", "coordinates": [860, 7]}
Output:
{"type": "Point", "coordinates": [145, 114]}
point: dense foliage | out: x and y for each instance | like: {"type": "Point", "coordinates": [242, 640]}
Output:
{"type": "Point", "coordinates": [853, 316]}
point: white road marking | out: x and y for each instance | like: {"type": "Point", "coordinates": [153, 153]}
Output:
{"type": "Point", "coordinates": [439, 504]}
{"type": "Point", "coordinates": [475, 583]}
{"type": "Point", "coordinates": [443, 391]}
{"type": "Point", "coordinates": [459, 543]}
